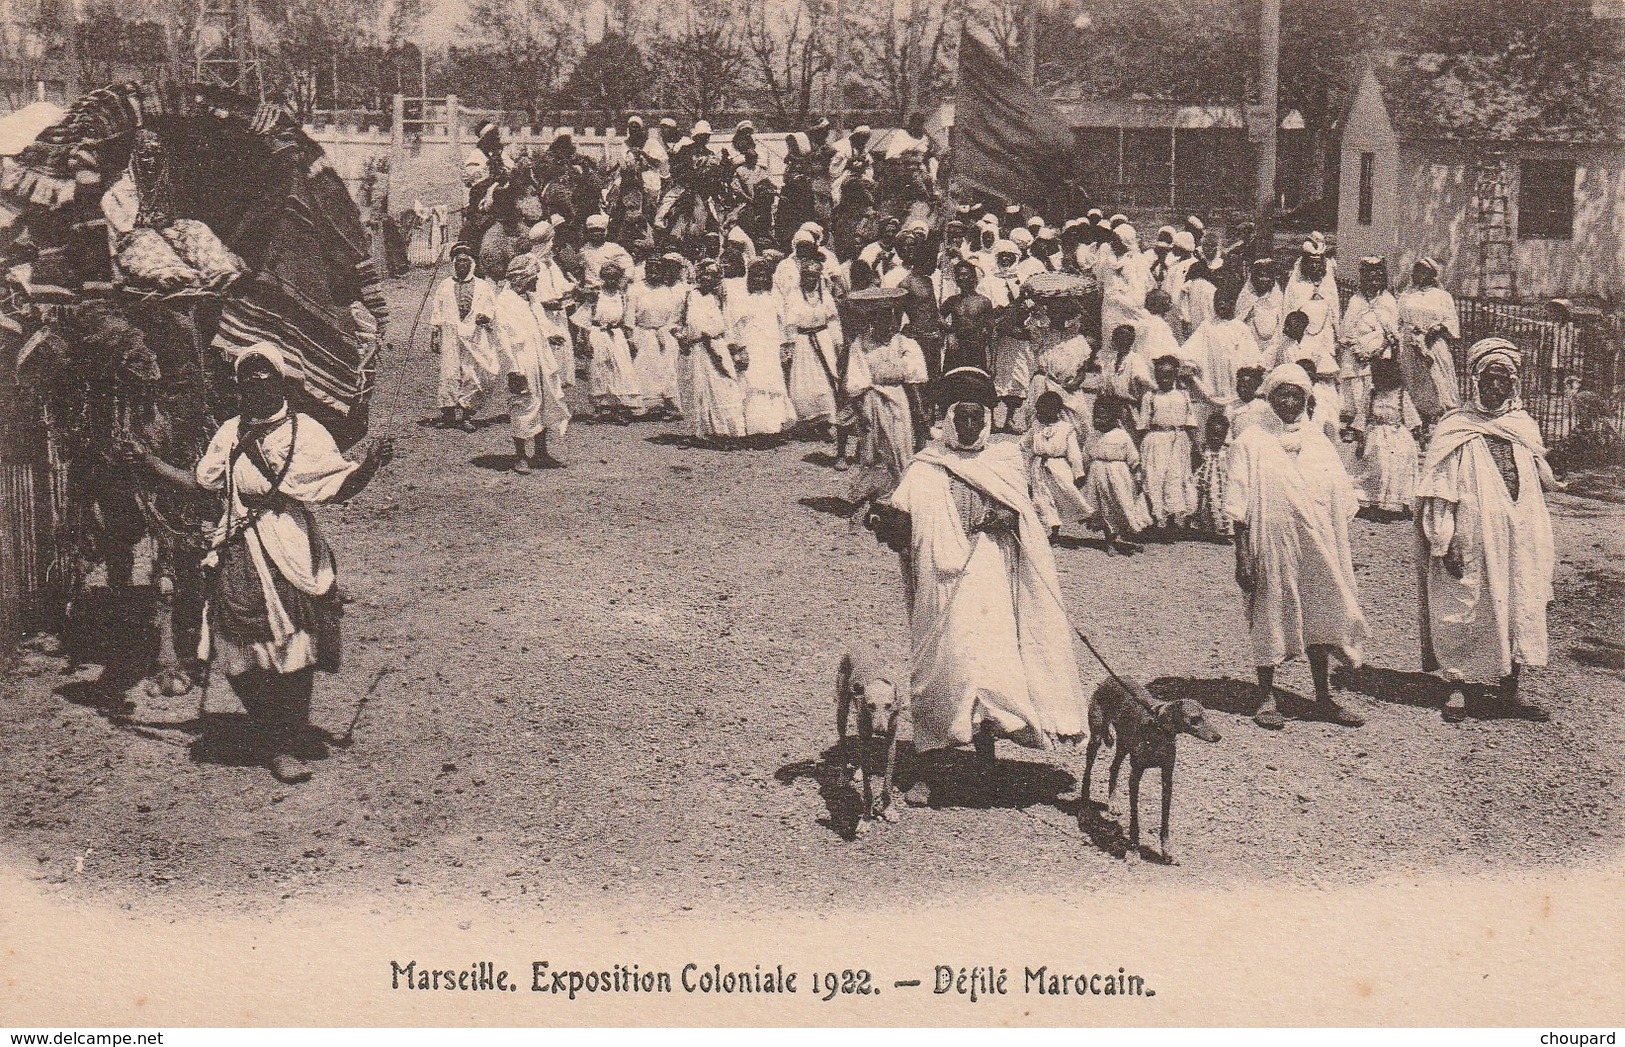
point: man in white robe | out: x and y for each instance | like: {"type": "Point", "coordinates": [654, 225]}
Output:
{"type": "Point", "coordinates": [460, 334]}
{"type": "Point", "coordinates": [271, 619]}
{"type": "Point", "coordinates": [992, 648]}
{"type": "Point", "coordinates": [1291, 502]}
{"type": "Point", "coordinates": [1485, 555]}
{"type": "Point", "coordinates": [535, 394]}
{"type": "Point", "coordinates": [551, 299]}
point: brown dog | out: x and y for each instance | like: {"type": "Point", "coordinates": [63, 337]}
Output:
{"type": "Point", "coordinates": [864, 682]}
{"type": "Point", "coordinates": [1146, 731]}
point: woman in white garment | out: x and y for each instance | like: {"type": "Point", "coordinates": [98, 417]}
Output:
{"type": "Point", "coordinates": [992, 649]}
{"type": "Point", "coordinates": [536, 406]}
{"type": "Point", "coordinates": [1429, 329]}
{"type": "Point", "coordinates": [271, 620]}
{"type": "Point", "coordinates": [893, 377]}
{"type": "Point", "coordinates": [1485, 555]}
{"type": "Point", "coordinates": [460, 334]}
{"type": "Point", "coordinates": [615, 389]}
{"type": "Point", "coordinates": [1259, 305]}
{"type": "Point", "coordinates": [1291, 501]}
{"type": "Point", "coordinates": [810, 311]}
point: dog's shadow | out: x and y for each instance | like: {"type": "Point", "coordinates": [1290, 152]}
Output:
{"type": "Point", "coordinates": [955, 777]}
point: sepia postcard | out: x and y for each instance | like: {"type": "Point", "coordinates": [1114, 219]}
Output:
{"type": "Point", "coordinates": [786, 513]}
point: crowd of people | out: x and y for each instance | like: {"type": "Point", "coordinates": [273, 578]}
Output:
{"type": "Point", "coordinates": [1048, 374]}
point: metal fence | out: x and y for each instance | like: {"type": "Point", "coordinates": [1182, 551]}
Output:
{"type": "Point", "coordinates": [1563, 360]}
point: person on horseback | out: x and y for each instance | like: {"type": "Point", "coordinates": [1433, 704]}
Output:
{"type": "Point", "coordinates": [696, 202]}
{"type": "Point", "coordinates": [850, 160]}
{"type": "Point", "coordinates": [496, 181]}
{"type": "Point", "coordinates": [569, 185]}
{"type": "Point", "coordinates": [636, 190]}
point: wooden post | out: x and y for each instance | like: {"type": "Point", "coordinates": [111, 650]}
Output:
{"type": "Point", "coordinates": [1269, 72]}
{"type": "Point", "coordinates": [397, 130]}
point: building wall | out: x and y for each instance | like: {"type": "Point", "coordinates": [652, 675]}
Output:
{"type": "Point", "coordinates": [1368, 130]}
{"type": "Point", "coordinates": [1437, 217]}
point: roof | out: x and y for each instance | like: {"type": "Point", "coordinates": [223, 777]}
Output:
{"type": "Point", "coordinates": [1472, 98]}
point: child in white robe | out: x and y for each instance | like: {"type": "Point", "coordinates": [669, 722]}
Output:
{"type": "Point", "coordinates": [756, 325]}
{"type": "Point", "coordinates": [1389, 456]}
{"type": "Point", "coordinates": [614, 383]}
{"type": "Point", "coordinates": [1055, 466]}
{"type": "Point", "coordinates": [718, 407]}
{"type": "Point", "coordinates": [1167, 419]}
{"type": "Point", "coordinates": [460, 333]}
{"type": "Point", "coordinates": [1116, 506]}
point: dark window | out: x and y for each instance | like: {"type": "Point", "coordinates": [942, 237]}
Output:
{"type": "Point", "coordinates": [1546, 200]}
{"type": "Point", "coordinates": [1368, 176]}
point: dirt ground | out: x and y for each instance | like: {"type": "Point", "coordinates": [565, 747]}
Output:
{"type": "Point", "coordinates": [609, 687]}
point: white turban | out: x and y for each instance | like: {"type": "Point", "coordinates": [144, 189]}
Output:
{"type": "Point", "coordinates": [1005, 247]}
{"type": "Point", "coordinates": [267, 352]}
{"type": "Point", "coordinates": [1494, 350]}
{"type": "Point", "coordinates": [1184, 241]}
{"type": "Point", "coordinates": [1021, 237]}
{"type": "Point", "coordinates": [1286, 374]}
{"type": "Point", "coordinates": [598, 221]}
{"type": "Point", "coordinates": [1127, 234]}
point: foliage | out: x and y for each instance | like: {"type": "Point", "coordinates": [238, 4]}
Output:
{"type": "Point", "coordinates": [700, 62]}
{"type": "Point", "coordinates": [513, 56]}
{"type": "Point", "coordinates": [790, 52]}
{"type": "Point", "coordinates": [611, 77]}
{"type": "Point", "coordinates": [904, 53]}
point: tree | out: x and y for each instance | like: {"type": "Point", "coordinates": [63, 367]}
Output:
{"type": "Point", "coordinates": [786, 43]}
{"type": "Point", "coordinates": [512, 54]}
{"type": "Point", "coordinates": [111, 46]}
{"type": "Point", "coordinates": [33, 34]}
{"type": "Point", "coordinates": [700, 65]}
{"type": "Point", "coordinates": [612, 77]}
{"type": "Point", "coordinates": [1000, 23]}
{"type": "Point", "coordinates": [1173, 50]}
{"type": "Point", "coordinates": [904, 52]}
